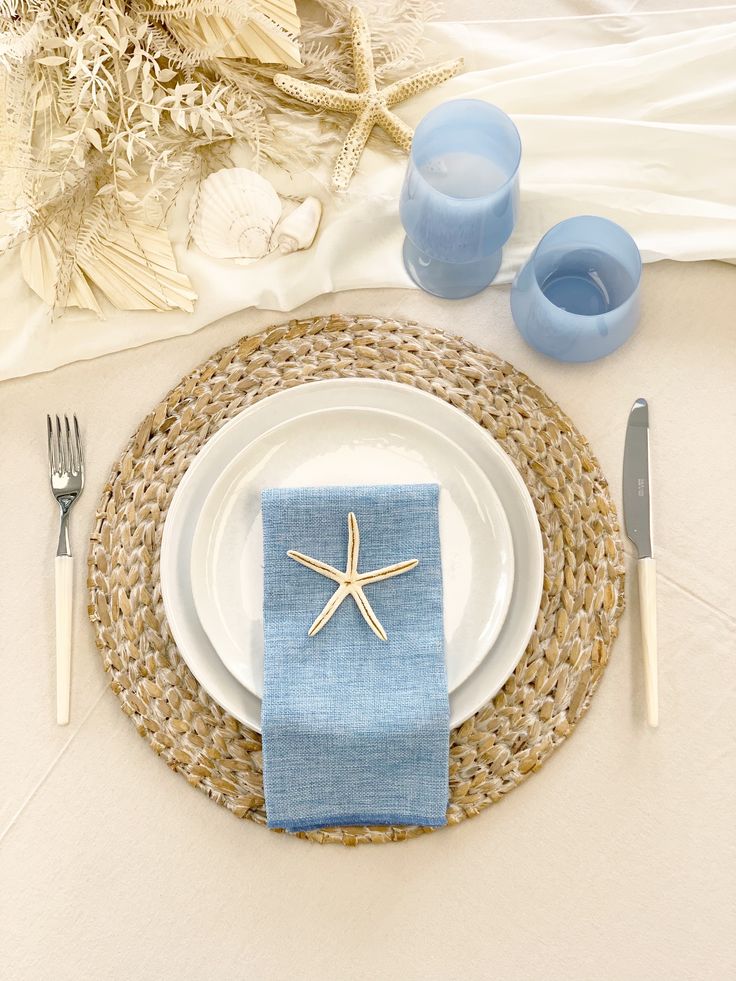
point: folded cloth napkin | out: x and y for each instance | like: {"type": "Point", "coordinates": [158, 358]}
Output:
{"type": "Point", "coordinates": [355, 728]}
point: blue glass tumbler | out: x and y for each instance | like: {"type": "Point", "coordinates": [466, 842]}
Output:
{"type": "Point", "coordinates": [577, 297]}
{"type": "Point", "coordinates": [460, 197]}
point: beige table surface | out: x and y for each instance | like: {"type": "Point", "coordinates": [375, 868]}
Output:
{"type": "Point", "coordinates": [615, 861]}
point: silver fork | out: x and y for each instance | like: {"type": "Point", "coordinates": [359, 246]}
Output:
{"type": "Point", "coordinates": [66, 473]}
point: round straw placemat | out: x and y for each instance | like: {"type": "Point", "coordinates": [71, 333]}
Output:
{"type": "Point", "coordinates": [582, 599]}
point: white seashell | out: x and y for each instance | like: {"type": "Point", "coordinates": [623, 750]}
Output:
{"type": "Point", "coordinates": [298, 230]}
{"type": "Point", "coordinates": [237, 211]}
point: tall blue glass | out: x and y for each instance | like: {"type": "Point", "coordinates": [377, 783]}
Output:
{"type": "Point", "coordinates": [577, 297]}
{"type": "Point", "coordinates": [460, 197]}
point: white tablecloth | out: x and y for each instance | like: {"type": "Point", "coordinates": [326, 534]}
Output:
{"type": "Point", "coordinates": [616, 861]}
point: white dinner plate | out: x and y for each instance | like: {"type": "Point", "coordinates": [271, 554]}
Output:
{"type": "Point", "coordinates": [455, 426]}
{"type": "Point", "coordinates": [351, 441]}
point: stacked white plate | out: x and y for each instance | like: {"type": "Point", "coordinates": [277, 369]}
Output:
{"type": "Point", "coordinates": [349, 432]}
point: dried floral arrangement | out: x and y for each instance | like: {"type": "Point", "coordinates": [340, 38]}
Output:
{"type": "Point", "coordinates": [108, 107]}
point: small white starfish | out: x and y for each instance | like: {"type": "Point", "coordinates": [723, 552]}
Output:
{"type": "Point", "coordinates": [351, 582]}
{"type": "Point", "coordinates": [370, 105]}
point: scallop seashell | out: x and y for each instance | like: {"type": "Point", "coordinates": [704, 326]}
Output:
{"type": "Point", "coordinates": [237, 211]}
{"type": "Point", "coordinates": [298, 229]}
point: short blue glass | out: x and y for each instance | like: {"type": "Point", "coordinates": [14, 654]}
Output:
{"type": "Point", "coordinates": [577, 297]}
{"type": "Point", "coordinates": [460, 197]}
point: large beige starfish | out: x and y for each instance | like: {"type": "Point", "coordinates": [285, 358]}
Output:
{"type": "Point", "coordinates": [370, 105]}
{"type": "Point", "coordinates": [351, 582]}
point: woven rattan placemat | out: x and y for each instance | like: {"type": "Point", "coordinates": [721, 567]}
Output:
{"type": "Point", "coordinates": [582, 598]}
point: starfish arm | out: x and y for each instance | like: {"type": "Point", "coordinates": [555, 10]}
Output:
{"type": "Point", "coordinates": [353, 545]}
{"type": "Point", "coordinates": [329, 608]}
{"type": "Point", "coordinates": [318, 95]}
{"type": "Point", "coordinates": [348, 157]}
{"type": "Point", "coordinates": [405, 88]}
{"type": "Point", "coordinates": [316, 566]}
{"type": "Point", "coordinates": [397, 129]}
{"type": "Point", "coordinates": [365, 78]}
{"type": "Point", "coordinates": [388, 572]}
{"type": "Point", "coordinates": [369, 616]}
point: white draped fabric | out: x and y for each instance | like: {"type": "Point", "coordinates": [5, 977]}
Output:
{"type": "Point", "coordinates": [632, 116]}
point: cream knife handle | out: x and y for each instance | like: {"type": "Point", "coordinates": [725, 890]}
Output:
{"type": "Point", "coordinates": [64, 570]}
{"type": "Point", "coordinates": [648, 612]}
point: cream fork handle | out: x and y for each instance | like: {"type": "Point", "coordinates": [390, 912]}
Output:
{"type": "Point", "coordinates": [647, 570]}
{"type": "Point", "coordinates": [64, 571]}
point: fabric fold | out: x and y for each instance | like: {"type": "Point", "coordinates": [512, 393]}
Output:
{"type": "Point", "coordinates": [355, 728]}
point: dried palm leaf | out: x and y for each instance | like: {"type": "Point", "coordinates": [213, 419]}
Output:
{"type": "Point", "coordinates": [40, 258]}
{"type": "Point", "coordinates": [133, 266]}
{"type": "Point", "coordinates": [267, 33]}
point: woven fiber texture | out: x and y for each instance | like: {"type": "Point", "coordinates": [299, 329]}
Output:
{"type": "Point", "coordinates": [583, 592]}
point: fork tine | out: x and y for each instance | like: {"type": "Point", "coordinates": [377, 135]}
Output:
{"type": "Point", "coordinates": [57, 451]}
{"type": "Point", "coordinates": [61, 462]}
{"type": "Point", "coordinates": [68, 447]}
{"type": "Point", "coordinates": [78, 444]}
{"type": "Point", "coordinates": [50, 433]}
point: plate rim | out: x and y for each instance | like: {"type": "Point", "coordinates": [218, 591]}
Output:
{"type": "Point", "coordinates": [226, 698]}
{"type": "Point", "coordinates": [201, 553]}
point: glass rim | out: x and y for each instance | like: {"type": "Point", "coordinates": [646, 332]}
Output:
{"type": "Point", "coordinates": [487, 105]}
{"type": "Point", "coordinates": [603, 221]}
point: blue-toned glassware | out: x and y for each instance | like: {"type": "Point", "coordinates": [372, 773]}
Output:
{"type": "Point", "coordinates": [460, 197]}
{"type": "Point", "coordinates": [577, 297]}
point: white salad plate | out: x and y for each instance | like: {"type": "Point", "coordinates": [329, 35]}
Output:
{"type": "Point", "coordinates": [273, 443]}
{"type": "Point", "coordinates": [342, 443]}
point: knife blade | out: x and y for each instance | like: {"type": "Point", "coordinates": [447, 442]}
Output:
{"type": "Point", "coordinates": [638, 522]}
{"type": "Point", "coordinates": [637, 497]}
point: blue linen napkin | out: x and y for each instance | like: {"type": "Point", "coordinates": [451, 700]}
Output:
{"type": "Point", "coordinates": [355, 729]}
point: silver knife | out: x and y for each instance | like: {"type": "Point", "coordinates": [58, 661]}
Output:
{"type": "Point", "coordinates": [638, 521]}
